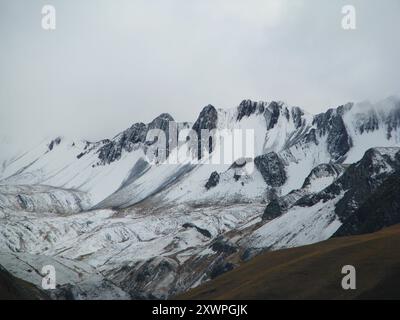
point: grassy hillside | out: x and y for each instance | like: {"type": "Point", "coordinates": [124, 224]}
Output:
{"type": "Point", "coordinates": [12, 288]}
{"type": "Point", "coordinates": [314, 271]}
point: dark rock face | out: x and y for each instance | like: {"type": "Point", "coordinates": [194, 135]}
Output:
{"type": "Point", "coordinates": [297, 115]}
{"type": "Point", "coordinates": [248, 107]}
{"type": "Point", "coordinates": [146, 280]}
{"type": "Point", "coordinates": [381, 209]}
{"type": "Point", "coordinates": [204, 232]}
{"type": "Point", "coordinates": [207, 119]}
{"type": "Point", "coordinates": [275, 206]}
{"type": "Point", "coordinates": [331, 124]}
{"type": "Point", "coordinates": [22, 201]}
{"type": "Point", "coordinates": [271, 114]}
{"type": "Point", "coordinates": [271, 168]}
{"type": "Point", "coordinates": [369, 190]}
{"type": "Point", "coordinates": [250, 253]}
{"type": "Point", "coordinates": [54, 143]}
{"type": "Point", "coordinates": [323, 170]}
{"type": "Point", "coordinates": [273, 210]}
{"type": "Point", "coordinates": [222, 245]}
{"type": "Point", "coordinates": [311, 137]}
{"type": "Point", "coordinates": [363, 179]}
{"type": "Point", "coordinates": [213, 180]}
{"type": "Point", "coordinates": [279, 205]}
{"type": "Point", "coordinates": [137, 133]}
{"type": "Point", "coordinates": [162, 123]}
{"type": "Point", "coordinates": [124, 141]}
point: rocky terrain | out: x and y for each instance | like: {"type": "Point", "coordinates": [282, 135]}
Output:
{"type": "Point", "coordinates": [316, 271]}
{"type": "Point", "coordinates": [117, 224]}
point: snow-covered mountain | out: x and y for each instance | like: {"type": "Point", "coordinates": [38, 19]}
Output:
{"type": "Point", "coordinates": [141, 228]}
{"type": "Point", "coordinates": [117, 172]}
{"type": "Point", "coordinates": [316, 216]}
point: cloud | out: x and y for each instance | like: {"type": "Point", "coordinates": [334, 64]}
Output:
{"type": "Point", "coordinates": [111, 63]}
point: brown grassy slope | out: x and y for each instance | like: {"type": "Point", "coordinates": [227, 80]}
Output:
{"type": "Point", "coordinates": [12, 288]}
{"type": "Point", "coordinates": [314, 271]}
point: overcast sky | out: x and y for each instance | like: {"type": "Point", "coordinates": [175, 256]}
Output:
{"type": "Point", "coordinates": [109, 64]}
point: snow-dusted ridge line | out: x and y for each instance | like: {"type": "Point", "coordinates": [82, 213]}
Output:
{"type": "Point", "coordinates": [300, 139]}
{"type": "Point", "coordinates": [146, 230]}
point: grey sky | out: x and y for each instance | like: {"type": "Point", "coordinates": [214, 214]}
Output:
{"type": "Point", "coordinates": [111, 63]}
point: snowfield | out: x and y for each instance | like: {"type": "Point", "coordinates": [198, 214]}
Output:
{"type": "Point", "coordinates": [103, 241]}
{"type": "Point", "coordinates": [299, 226]}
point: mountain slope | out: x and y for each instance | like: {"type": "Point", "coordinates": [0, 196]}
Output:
{"type": "Point", "coordinates": [317, 216]}
{"type": "Point", "coordinates": [137, 227]}
{"type": "Point", "coordinates": [380, 210]}
{"type": "Point", "coordinates": [119, 172]}
{"type": "Point", "coordinates": [12, 288]}
{"type": "Point", "coordinates": [314, 271]}
{"type": "Point", "coordinates": [298, 141]}
{"type": "Point", "coordinates": [40, 199]}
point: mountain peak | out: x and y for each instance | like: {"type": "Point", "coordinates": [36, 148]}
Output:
{"type": "Point", "coordinates": [164, 116]}
{"type": "Point", "coordinates": [248, 107]}
{"type": "Point", "coordinates": [207, 119]}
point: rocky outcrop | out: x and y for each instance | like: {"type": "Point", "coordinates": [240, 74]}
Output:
{"type": "Point", "coordinates": [319, 178]}
{"type": "Point", "coordinates": [202, 231]}
{"type": "Point", "coordinates": [151, 279]}
{"type": "Point", "coordinates": [297, 115]}
{"type": "Point", "coordinates": [272, 113]}
{"type": "Point", "coordinates": [324, 170]}
{"type": "Point", "coordinates": [272, 169]}
{"type": "Point", "coordinates": [381, 209]}
{"type": "Point", "coordinates": [358, 184]}
{"type": "Point", "coordinates": [54, 143]}
{"type": "Point", "coordinates": [213, 180]}
{"type": "Point", "coordinates": [274, 209]}
{"type": "Point", "coordinates": [364, 178]}
{"type": "Point", "coordinates": [249, 107]}
{"type": "Point", "coordinates": [207, 120]}
{"type": "Point", "coordinates": [222, 245]}
{"type": "Point", "coordinates": [125, 141]}
{"type": "Point", "coordinates": [331, 125]}
{"type": "Point", "coordinates": [137, 133]}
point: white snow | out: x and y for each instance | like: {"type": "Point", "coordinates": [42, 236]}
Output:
{"type": "Point", "coordinates": [87, 245]}
{"type": "Point", "coordinates": [299, 226]}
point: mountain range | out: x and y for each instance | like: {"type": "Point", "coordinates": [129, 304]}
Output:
{"type": "Point", "coordinates": [117, 225]}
